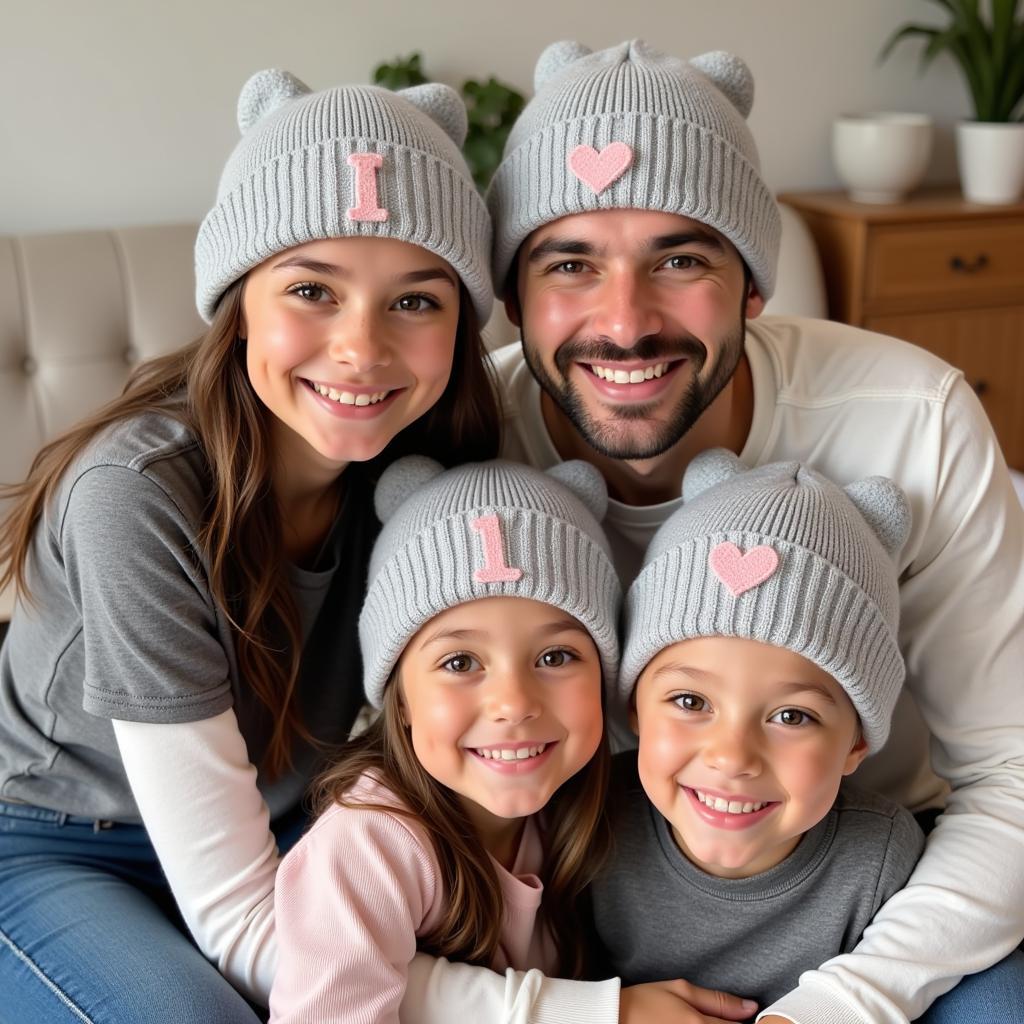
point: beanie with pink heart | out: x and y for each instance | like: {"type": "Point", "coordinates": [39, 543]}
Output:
{"type": "Point", "coordinates": [631, 128]}
{"type": "Point", "coordinates": [782, 555]}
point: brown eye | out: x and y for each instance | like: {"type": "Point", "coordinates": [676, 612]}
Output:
{"type": "Point", "coordinates": [459, 663]}
{"type": "Point", "coordinates": [691, 702]}
{"type": "Point", "coordinates": [555, 659]}
{"type": "Point", "coordinates": [681, 262]}
{"type": "Point", "coordinates": [308, 291]}
{"type": "Point", "coordinates": [415, 304]}
{"type": "Point", "coordinates": [792, 716]}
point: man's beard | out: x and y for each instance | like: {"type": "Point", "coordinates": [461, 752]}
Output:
{"type": "Point", "coordinates": [615, 440]}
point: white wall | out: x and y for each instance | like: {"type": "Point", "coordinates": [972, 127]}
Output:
{"type": "Point", "coordinates": [117, 112]}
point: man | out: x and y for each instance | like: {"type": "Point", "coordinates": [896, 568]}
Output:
{"type": "Point", "coordinates": [635, 246]}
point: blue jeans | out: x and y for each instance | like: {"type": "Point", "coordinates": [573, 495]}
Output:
{"type": "Point", "coordinates": [89, 932]}
{"type": "Point", "coordinates": [995, 996]}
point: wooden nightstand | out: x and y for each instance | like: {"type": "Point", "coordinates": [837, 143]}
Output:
{"type": "Point", "coordinates": [943, 273]}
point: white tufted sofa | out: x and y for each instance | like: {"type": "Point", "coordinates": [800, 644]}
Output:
{"type": "Point", "coordinates": [78, 310]}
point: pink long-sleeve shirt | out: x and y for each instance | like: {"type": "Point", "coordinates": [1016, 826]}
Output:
{"type": "Point", "coordinates": [352, 897]}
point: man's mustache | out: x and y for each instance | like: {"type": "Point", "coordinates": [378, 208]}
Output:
{"type": "Point", "coordinates": [654, 347]}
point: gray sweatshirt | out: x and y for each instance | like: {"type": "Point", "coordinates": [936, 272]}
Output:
{"type": "Point", "coordinates": [658, 916]}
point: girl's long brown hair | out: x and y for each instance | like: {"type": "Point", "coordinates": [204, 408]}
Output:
{"type": "Point", "coordinates": [576, 841]}
{"type": "Point", "coordinates": [206, 385]}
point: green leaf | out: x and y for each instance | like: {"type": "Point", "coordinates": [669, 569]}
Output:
{"type": "Point", "coordinates": [1002, 31]}
{"type": "Point", "coordinates": [400, 73]}
{"type": "Point", "coordinates": [1013, 86]}
{"type": "Point", "coordinates": [491, 109]}
{"type": "Point", "coordinates": [907, 32]}
{"type": "Point", "coordinates": [989, 53]}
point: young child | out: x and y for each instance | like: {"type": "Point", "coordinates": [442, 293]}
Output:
{"type": "Point", "coordinates": [760, 666]}
{"type": "Point", "coordinates": [489, 622]}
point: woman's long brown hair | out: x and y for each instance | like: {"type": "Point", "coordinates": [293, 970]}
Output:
{"type": "Point", "coordinates": [576, 841]}
{"type": "Point", "coordinates": [206, 385]}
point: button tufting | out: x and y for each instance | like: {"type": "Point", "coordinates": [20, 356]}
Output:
{"type": "Point", "coordinates": [29, 366]}
{"type": "Point", "coordinates": [131, 355]}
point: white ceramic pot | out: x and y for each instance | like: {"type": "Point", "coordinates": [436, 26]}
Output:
{"type": "Point", "coordinates": [991, 159]}
{"type": "Point", "coordinates": [881, 157]}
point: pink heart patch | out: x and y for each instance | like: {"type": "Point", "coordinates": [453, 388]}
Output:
{"type": "Point", "coordinates": [741, 572]}
{"type": "Point", "coordinates": [599, 170]}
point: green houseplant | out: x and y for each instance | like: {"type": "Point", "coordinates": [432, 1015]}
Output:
{"type": "Point", "coordinates": [491, 107]}
{"type": "Point", "coordinates": [987, 43]}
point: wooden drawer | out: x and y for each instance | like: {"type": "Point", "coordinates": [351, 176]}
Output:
{"type": "Point", "coordinates": [988, 345]}
{"type": "Point", "coordinates": [944, 265]}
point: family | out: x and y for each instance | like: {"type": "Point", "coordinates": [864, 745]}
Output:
{"type": "Point", "coordinates": [664, 666]}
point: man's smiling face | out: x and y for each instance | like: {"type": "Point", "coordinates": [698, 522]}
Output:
{"type": "Point", "coordinates": [632, 322]}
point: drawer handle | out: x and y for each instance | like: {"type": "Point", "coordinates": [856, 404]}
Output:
{"type": "Point", "coordinates": [980, 387]}
{"type": "Point", "coordinates": [960, 266]}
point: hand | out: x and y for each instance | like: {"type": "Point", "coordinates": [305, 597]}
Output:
{"type": "Point", "coordinates": [679, 1002]}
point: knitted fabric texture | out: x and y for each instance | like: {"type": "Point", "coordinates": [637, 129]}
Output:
{"type": "Point", "coordinates": [354, 161]}
{"type": "Point", "coordinates": [630, 128]}
{"type": "Point", "coordinates": [490, 529]}
{"type": "Point", "coordinates": [781, 555]}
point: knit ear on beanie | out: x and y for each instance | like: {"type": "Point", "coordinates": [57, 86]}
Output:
{"type": "Point", "coordinates": [402, 479]}
{"type": "Point", "coordinates": [731, 75]}
{"type": "Point", "coordinates": [586, 482]}
{"type": "Point", "coordinates": [556, 57]}
{"type": "Point", "coordinates": [443, 105]}
{"type": "Point", "coordinates": [265, 92]}
{"type": "Point", "coordinates": [709, 468]}
{"type": "Point", "coordinates": [885, 507]}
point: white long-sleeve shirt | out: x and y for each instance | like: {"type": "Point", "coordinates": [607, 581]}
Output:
{"type": "Point", "coordinates": [854, 404]}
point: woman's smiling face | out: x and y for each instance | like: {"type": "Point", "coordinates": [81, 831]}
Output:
{"type": "Point", "coordinates": [348, 341]}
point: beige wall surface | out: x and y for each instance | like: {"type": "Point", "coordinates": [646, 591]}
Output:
{"type": "Point", "coordinates": [120, 112]}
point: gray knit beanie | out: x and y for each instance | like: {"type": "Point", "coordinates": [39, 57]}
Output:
{"type": "Point", "coordinates": [352, 161]}
{"type": "Point", "coordinates": [630, 128]}
{"type": "Point", "coordinates": [489, 529]}
{"type": "Point", "coordinates": [782, 555]}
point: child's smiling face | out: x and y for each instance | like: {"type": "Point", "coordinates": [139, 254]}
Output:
{"type": "Point", "coordinates": [742, 748]}
{"type": "Point", "coordinates": [503, 700]}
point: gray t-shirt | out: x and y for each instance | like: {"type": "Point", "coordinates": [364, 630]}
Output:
{"type": "Point", "coordinates": [658, 916]}
{"type": "Point", "coordinates": [125, 626]}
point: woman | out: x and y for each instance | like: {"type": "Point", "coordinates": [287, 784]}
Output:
{"type": "Point", "coordinates": [191, 560]}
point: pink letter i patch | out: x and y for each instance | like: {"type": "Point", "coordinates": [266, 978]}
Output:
{"type": "Point", "coordinates": [366, 208]}
{"type": "Point", "coordinates": [495, 570]}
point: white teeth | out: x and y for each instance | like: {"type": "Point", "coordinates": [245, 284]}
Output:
{"type": "Point", "coordinates": [507, 754]}
{"type": "Point", "coordinates": [716, 803]}
{"type": "Point", "coordinates": [348, 397]}
{"type": "Point", "coordinates": [629, 376]}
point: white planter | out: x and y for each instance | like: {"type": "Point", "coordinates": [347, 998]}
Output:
{"type": "Point", "coordinates": [991, 159]}
{"type": "Point", "coordinates": [881, 157]}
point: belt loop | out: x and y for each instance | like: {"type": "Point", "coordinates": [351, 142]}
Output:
{"type": "Point", "coordinates": [62, 820]}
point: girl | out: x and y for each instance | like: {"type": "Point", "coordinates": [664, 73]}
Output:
{"type": "Point", "coordinates": [192, 557]}
{"type": "Point", "coordinates": [489, 622]}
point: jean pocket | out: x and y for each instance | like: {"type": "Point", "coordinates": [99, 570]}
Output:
{"type": "Point", "coordinates": [13, 815]}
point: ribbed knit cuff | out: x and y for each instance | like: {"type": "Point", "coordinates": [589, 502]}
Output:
{"type": "Point", "coordinates": [678, 168]}
{"type": "Point", "coordinates": [577, 1002]}
{"type": "Point", "coordinates": [434, 571]}
{"type": "Point", "coordinates": [807, 607]}
{"type": "Point", "coordinates": [305, 195]}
